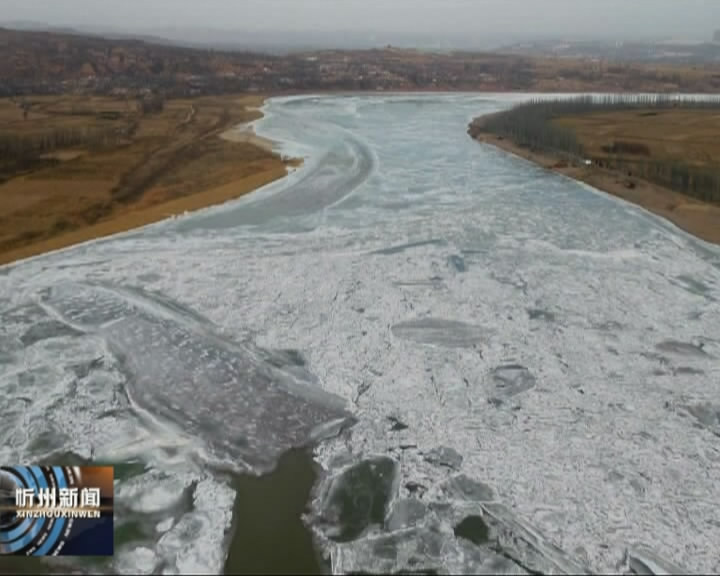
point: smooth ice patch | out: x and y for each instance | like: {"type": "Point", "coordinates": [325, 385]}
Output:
{"type": "Point", "coordinates": [440, 332]}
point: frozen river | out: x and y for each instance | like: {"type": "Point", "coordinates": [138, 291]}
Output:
{"type": "Point", "coordinates": [506, 369]}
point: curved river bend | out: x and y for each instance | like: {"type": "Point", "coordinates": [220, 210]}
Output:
{"type": "Point", "coordinates": [508, 370]}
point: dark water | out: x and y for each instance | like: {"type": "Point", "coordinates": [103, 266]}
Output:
{"type": "Point", "coordinates": [17, 565]}
{"type": "Point", "coordinates": [269, 535]}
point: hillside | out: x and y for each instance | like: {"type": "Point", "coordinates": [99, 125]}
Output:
{"type": "Point", "coordinates": [33, 62]}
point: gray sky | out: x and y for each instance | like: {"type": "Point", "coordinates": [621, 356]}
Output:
{"type": "Point", "coordinates": [679, 18]}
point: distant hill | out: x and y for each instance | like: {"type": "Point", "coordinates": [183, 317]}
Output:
{"type": "Point", "coordinates": [36, 58]}
{"type": "Point", "coordinates": [274, 41]}
{"type": "Point", "coordinates": [31, 25]}
{"type": "Point", "coordinates": [670, 51]}
{"type": "Point", "coordinates": [51, 61]}
{"type": "Point", "coordinates": [108, 33]}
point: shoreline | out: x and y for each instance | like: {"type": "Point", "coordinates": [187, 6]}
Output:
{"type": "Point", "coordinates": [151, 208]}
{"type": "Point", "coordinates": [247, 135]}
{"type": "Point", "coordinates": [144, 216]}
{"type": "Point", "coordinates": [484, 91]}
{"type": "Point", "coordinates": [697, 218]}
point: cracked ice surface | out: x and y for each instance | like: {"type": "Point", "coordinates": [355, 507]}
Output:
{"type": "Point", "coordinates": [563, 344]}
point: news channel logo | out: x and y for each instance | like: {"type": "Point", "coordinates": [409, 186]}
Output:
{"type": "Point", "coordinates": [56, 510]}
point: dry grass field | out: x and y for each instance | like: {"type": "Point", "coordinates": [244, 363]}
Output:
{"type": "Point", "coordinates": [682, 135]}
{"type": "Point", "coordinates": [140, 169]}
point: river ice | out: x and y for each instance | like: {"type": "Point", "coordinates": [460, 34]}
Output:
{"type": "Point", "coordinates": [540, 361]}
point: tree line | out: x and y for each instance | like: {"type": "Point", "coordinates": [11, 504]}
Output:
{"type": "Point", "coordinates": [695, 181]}
{"type": "Point", "coordinates": [20, 147]}
{"type": "Point", "coordinates": [531, 125]}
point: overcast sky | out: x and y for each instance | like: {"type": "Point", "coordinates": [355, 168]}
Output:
{"type": "Point", "coordinates": [683, 18]}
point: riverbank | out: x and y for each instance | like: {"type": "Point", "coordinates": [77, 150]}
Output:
{"type": "Point", "coordinates": [193, 154]}
{"type": "Point", "coordinates": [693, 216]}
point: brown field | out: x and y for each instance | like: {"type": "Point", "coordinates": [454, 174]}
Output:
{"type": "Point", "coordinates": [160, 164]}
{"type": "Point", "coordinates": [689, 136]}
{"type": "Point", "coordinates": [676, 135]}
{"type": "Point", "coordinates": [582, 75]}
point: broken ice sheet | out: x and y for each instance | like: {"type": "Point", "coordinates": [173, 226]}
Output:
{"type": "Point", "coordinates": [525, 546]}
{"type": "Point", "coordinates": [444, 456]}
{"type": "Point", "coordinates": [641, 560]}
{"type": "Point", "coordinates": [358, 498]}
{"type": "Point", "coordinates": [508, 381]}
{"type": "Point", "coordinates": [240, 399]}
